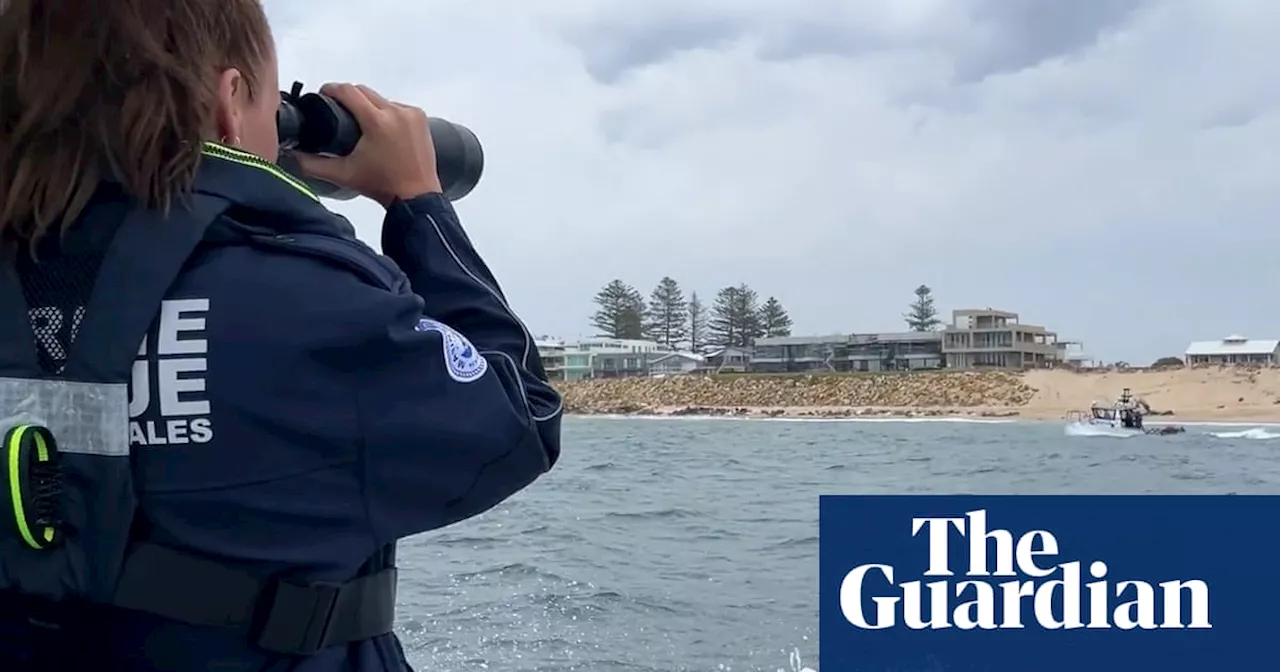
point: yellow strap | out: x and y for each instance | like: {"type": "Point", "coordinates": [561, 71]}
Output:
{"type": "Point", "coordinates": [14, 447]}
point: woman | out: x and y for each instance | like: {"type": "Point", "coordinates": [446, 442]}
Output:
{"type": "Point", "coordinates": [223, 411]}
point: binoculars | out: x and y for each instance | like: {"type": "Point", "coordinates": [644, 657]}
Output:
{"type": "Point", "coordinates": [314, 123]}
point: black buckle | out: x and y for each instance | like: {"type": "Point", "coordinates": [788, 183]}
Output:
{"type": "Point", "coordinates": [284, 617]}
{"type": "Point", "coordinates": [297, 618]}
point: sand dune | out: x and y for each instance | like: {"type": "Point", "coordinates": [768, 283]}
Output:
{"type": "Point", "coordinates": [1202, 393]}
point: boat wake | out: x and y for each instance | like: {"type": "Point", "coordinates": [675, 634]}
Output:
{"type": "Point", "coordinates": [1255, 433]}
{"type": "Point", "coordinates": [1119, 419]}
{"type": "Point", "coordinates": [1083, 429]}
{"type": "Point", "coordinates": [796, 664]}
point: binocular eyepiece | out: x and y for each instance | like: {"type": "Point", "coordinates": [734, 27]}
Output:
{"type": "Point", "coordinates": [314, 123]}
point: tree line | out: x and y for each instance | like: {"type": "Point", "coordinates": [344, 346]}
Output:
{"type": "Point", "coordinates": [735, 318]}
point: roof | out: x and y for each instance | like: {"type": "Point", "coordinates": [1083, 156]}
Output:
{"type": "Point", "coordinates": [803, 340]}
{"type": "Point", "coordinates": [683, 355]}
{"type": "Point", "coordinates": [716, 352]}
{"type": "Point", "coordinates": [982, 312]}
{"type": "Point", "coordinates": [626, 342]}
{"type": "Point", "coordinates": [896, 337]}
{"type": "Point", "coordinates": [1234, 345]}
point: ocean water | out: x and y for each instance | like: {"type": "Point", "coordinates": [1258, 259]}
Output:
{"type": "Point", "coordinates": [666, 545]}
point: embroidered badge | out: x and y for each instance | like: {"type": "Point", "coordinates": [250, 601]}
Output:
{"type": "Point", "coordinates": [461, 359]}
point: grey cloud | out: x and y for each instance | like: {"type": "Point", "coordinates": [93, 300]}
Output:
{"type": "Point", "coordinates": [1007, 153]}
{"type": "Point", "coordinates": [613, 48]}
{"type": "Point", "coordinates": [982, 37]}
{"type": "Point", "coordinates": [1024, 33]}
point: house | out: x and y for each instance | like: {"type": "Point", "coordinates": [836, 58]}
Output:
{"type": "Point", "coordinates": [610, 357]}
{"type": "Point", "coordinates": [796, 354]}
{"type": "Point", "coordinates": [848, 352]}
{"type": "Point", "coordinates": [633, 345]}
{"type": "Point", "coordinates": [1072, 353]}
{"type": "Point", "coordinates": [676, 363]}
{"type": "Point", "coordinates": [727, 360]}
{"type": "Point", "coordinates": [989, 338]}
{"type": "Point", "coordinates": [552, 355]}
{"type": "Point", "coordinates": [900, 351]}
{"type": "Point", "coordinates": [1234, 350]}
{"type": "Point", "coordinates": [609, 364]}
{"type": "Point", "coordinates": [577, 365]}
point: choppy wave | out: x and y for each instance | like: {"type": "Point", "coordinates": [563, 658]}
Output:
{"type": "Point", "coordinates": [740, 418]}
{"type": "Point", "coordinates": [692, 546]}
{"type": "Point", "coordinates": [1257, 433]}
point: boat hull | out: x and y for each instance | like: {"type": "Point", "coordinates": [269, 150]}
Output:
{"type": "Point", "coordinates": [1084, 421]}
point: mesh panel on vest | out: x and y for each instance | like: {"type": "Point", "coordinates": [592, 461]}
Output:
{"type": "Point", "coordinates": [57, 289]}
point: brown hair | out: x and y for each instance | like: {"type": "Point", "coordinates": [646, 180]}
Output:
{"type": "Point", "coordinates": [91, 89]}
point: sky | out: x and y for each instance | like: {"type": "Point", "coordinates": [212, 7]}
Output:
{"type": "Point", "coordinates": [1109, 169]}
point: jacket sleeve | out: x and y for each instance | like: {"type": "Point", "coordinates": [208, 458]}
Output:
{"type": "Point", "coordinates": [456, 413]}
{"type": "Point", "coordinates": [423, 236]}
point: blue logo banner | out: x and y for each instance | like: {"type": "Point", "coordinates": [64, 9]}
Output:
{"type": "Point", "coordinates": [1049, 584]}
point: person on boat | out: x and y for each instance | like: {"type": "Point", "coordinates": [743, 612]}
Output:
{"type": "Point", "coordinates": [221, 411]}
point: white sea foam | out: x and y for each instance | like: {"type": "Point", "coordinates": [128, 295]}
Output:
{"type": "Point", "coordinates": [1258, 433]}
{"type": "Point", "coordinates": [1083, 429]}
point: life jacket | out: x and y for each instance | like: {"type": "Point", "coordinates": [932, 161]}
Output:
{"type": "Point", "coordinates": [68, 521]}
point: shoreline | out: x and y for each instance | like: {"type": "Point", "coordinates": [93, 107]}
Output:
{"type": "Point", "coordinates": [941, 414]}
{"type": "Point", "coordinates": [1195, 395]}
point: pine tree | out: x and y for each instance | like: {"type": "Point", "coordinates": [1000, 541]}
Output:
{"type": "Point", "coordinates": [667, 316]}
{"type": "Point", "coordinates": [922, 316]}
{"type": "Point", "coordinates": [749, 308]}
{"type": "Point", "coordinates": [735, 320]}
{"type": "Point", "coordinates": [774, 320]}
{"type": "Point", "coordinates": [620, 312]}
{"type": "Point", "coordinates": [634, 322]}
{"type": "Point", "coordinates": [697, 323]}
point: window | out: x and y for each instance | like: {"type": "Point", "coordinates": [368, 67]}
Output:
{"type": "Point", "coordinates": [770, 352]}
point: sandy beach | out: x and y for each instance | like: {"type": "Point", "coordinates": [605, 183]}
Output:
{"type": "Point", "coordinates": [1211, 394]}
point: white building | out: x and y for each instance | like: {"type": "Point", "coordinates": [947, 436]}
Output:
{"type": "Point", "coordinates": [617, 346]}
{"type": "Point", "coordinates": [552, 355]}
{"type": "Point", "coordinates": [1073, 353]}
{"type": "Point", "coordinates": [603, 357]}
{"type": "Point", "coordinates": [1234, 350]}
{"type": "Point", "coordinates": [676, 363]}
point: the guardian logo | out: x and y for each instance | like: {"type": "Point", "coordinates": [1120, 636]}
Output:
{"type": "Point", "coordinates": [1036, 587]}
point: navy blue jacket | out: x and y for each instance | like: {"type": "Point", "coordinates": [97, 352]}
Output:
{"type": "Point", "coordinates": [292, 417]}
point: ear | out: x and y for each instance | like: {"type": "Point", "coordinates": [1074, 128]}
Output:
{"type": "Point", "coordinates": [229, 115]}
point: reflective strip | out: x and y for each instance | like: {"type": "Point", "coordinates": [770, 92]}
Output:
{"type": "Point", "coordinates": [244, 158]}
{"type": "Point", "coordinates": [86, 418]}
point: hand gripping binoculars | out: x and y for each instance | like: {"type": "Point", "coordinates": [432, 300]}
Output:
{"type": "Point", "coordinates": [313, 123]}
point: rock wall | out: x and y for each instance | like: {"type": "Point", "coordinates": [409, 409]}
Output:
{"type": "Point", "coordinates": [958, 389]}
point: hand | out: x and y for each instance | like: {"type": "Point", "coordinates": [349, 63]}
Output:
{"type": "Point", "coordinates": [395, 157]}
